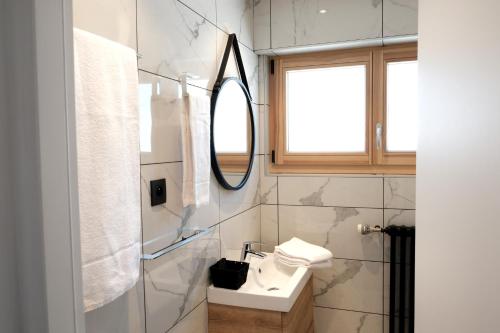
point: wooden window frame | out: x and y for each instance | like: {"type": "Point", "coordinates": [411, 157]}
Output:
{"type": "Point", "coordinates": [373, 160]}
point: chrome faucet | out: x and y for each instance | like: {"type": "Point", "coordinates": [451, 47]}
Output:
{"type": "Point", "coordinates": [247, 249]}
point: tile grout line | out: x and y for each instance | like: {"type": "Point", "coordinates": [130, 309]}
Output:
{"type": "Point", "coordinates": [349, 310]}
{"type": "Point", "coordinates": [187, 314]}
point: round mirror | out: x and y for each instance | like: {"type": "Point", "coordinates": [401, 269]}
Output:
{"type": "Point", "coordinates": [232, 133]}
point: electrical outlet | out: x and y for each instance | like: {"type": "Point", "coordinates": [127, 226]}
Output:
{"type": "Point", "coordinates": [158, 192]}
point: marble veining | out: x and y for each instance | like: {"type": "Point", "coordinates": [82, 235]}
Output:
{"type": "Point", "coordinates": [264, 198]}
{"type": "Point", "coordinates": [334, 228]}
{"type": "Point", "coordinates": [362, 320]}
{"type": "Point", "coordinates": [262, 24]}
{"type": "Point", "coordinates": [314, 199]}
{"type": "Point", "coordinates": [331, 191]}
{"type": "Point", "coordinates": [268, 227]}
{"type": "Point", "coordinates": [335, 320]}
{"type": "Point", "coordinates": [176, 282]}
{"type": "Point", "coordinates": [236, 16]}
{"type": "Point", "coordinates": [412, 5]}
{"type": "Point", "coordinates": [173, 39]}
{"type": "Point", "coordinates": [351, 285]}
{"type": "Point", "coordinates": [353, 267]}
{"type": "Point", "coordinates": [341, 214]}
{"type": "Point", "coordinates": [399, 193]}
{"type": "Point", "coordinates": [268, 184]}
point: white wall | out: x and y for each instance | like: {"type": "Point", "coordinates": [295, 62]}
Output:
{"type": "Point", "coordinates": [8, 285]}
{"type": "Point", "coordinates": [458, 167]}
{"type": "Point", "coordinates": [38, 279]}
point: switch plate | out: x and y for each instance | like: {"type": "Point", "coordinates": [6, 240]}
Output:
{"type": "Point", "coordinates": [158, 192]}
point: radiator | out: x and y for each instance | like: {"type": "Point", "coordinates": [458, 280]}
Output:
{"type": "Point", "coordinates": [402, 279]}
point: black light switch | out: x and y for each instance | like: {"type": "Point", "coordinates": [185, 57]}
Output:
{"type": "Point", "coordinates": [158, 192]}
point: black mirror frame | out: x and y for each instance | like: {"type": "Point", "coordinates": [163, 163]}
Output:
{"type": "Point", "coordinates": [232, 42]}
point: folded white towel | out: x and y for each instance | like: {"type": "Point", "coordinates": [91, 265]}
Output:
{"type": "Point", "coordinates": [195, 125]}
{"type": "Point", "coordinates": [297, 262]}
{"type": "Point", "coordinates": [107, 118]}
{"type": "Point", "coordinates": [297, 250]}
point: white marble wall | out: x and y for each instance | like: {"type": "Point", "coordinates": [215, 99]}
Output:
{"type": "Point", "coordinates": [325, 210]}
{"type": "Point", "coordinates": [281, 24]}
{"type": "Point", "coordinates": [172, 37]}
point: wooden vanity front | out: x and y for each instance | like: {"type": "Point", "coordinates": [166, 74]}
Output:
{"type": "Point", "coordinates": [232, 319]}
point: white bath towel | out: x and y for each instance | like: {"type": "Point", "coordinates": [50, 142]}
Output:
{"type": "Point", "coordinates": [106, 89]}
{"type": "Point", "coordinates": [297, 252]}
{"type": "Point", "coordinates": [195, 124]}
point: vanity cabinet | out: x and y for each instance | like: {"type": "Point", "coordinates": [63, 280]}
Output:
{"type": "Point", "coordinates": [230, 319]}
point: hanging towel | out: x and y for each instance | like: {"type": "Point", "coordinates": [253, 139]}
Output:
{"type": "Point", "coordinates": [106, 95]}
{"type": "Point", "coordinates": [296, 252]}
{"type": "Point", "coordinates": [195, 125]}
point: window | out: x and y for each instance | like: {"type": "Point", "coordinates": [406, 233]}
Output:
{"type": "Point", "coordinates": [349, 111]}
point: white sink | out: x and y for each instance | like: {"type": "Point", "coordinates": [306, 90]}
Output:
{"type": "Point", "coordinates": [270, 285]}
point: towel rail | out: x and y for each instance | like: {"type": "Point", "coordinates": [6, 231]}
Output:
{"type": "Point", "coordinates": [185, 240]}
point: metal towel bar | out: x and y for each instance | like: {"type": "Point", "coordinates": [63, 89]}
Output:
{"type": "Point", "coordinates": [185, 240]}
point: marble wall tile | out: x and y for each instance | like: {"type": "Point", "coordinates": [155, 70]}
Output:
{"type": "Point", "coordinates": [296, 23]}
{"type": "Point", "coordinates": [176, 282]}
{"type": "Point", "coordinates": [333, 320]}
{"type": "Point", "coordinates": [350, 285]}
{"type": "Point", "coordinates": [396, 217]}
{"type": "Point", "coordinates": [205, 8]}
{"type": "Point", "coordinates": [236, 16]}
{"type": "Point", "coordinates": [238, 229]}
{"type": "Point", "coordinates": [235, 202]}
{"type": "Point", "coordinates": [400, 17]}
{"type": "Point", "coordinates": [166, 224]}
{"type": "Point", "coordinates": [113, 19]}
{"type": "Point", "coordinates": [127, 312]}
{"type": "Point", "coordinates": [250, 62]}
{"type": "Point", "coordinates": [331, 191]}
{"type": "Point", "coordinates": [269, 227]}
{"type": "Point", "coordinates": [160, 108]}
{"type": "Point", "coordinates": [194, 322]}
{"type": "Point", "coordinates": [262, 24]}
{"type": "Point", "coordinates": [268, 184]}
{"type": "Point", "coordinates": [264, 80]}
{"type": "Point", "coordinates": [173, 39]}
{"type": "Point", "coordinates": [334, 228]}
{"type": "Point", "coordinates": [399, 193]}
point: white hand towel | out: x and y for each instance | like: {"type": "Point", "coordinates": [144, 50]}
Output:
{"type": "Point", "coordinates": [106, 89]}
{"type": "Point", "coordinates": [195, 124]}
{"type": "Point", "coordinates": [297, 249]}
{"type": "Point", "coordinates": [299, 262]}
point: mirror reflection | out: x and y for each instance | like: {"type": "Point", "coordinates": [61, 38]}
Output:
{"type": "Point", "coordinates": [233, 132]}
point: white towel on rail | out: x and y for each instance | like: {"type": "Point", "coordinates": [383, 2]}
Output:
{"type": "Point", "coordinates": [195, 128]}
{"type": "Point", "coordinates": [106, 89]}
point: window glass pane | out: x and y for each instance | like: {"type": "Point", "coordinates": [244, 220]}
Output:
{"type": "Point", "coordinates": [401, 106]}
{"type": "Point", "coordinates": [326, 110]}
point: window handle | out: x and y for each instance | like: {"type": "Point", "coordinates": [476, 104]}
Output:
{"type": "Point", "coordinates": [378, 133]}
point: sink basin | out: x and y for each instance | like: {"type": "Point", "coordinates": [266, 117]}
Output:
{"type": "Point", "coordinates": [270, 285]}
